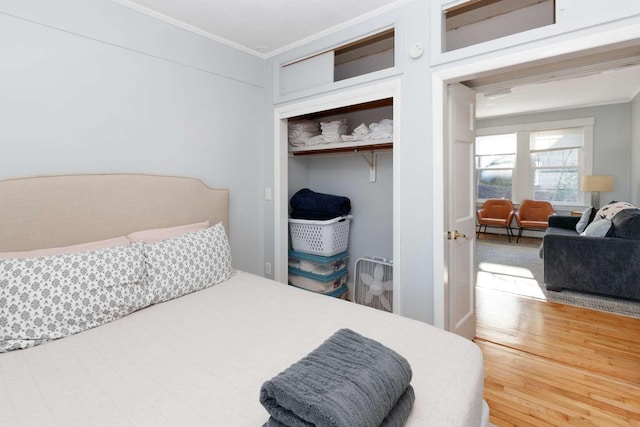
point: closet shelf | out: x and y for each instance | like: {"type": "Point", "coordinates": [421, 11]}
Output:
{"type": "Point", "coordinates": [342, 147]}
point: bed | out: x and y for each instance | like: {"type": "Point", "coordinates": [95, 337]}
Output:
{"type": "Point", "coordinates": [199, 359]}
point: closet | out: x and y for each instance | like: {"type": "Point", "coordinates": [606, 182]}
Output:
{"type": "Point", "coordinates": [360, 169]}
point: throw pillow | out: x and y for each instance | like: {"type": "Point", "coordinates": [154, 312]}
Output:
{"type": "Point", "coordinates": [585, 219]}
{"type": "Point", "coordinates": [187, 263]}
{"type": "Point", "coordinates": [51, 297]}
{"type": "Point", "coordinates": [158, 234]}
{"type": "Point", "coordinates": [598, 228]}
{"type": "Point", "coordinates": [81, 247]}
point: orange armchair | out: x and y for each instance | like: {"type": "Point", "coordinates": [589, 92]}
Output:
{"type": "Point", "coordinates": [495, 213]}
{"type": "Point", "coordinates": [533, 215]}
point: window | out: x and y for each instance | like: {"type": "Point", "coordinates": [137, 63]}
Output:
{"type": "Point", "coordinates": [372, 53]}
{"type": "Point", "coordinates": [364, 56]}
{"type": "Point", "coordinates": [542, 161]}
{"type": "Point", "coordinates": [475, 21]}
{"type": "Point", "coordinates": [555, 164]}
{"type": "Point", "coordinates": [495, 161]}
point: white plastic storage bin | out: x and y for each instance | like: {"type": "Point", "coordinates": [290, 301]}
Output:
{"type": "Point", "coordinates": [324, 238]}
{"type": "Point", "coordinates": [317, 283]}
{"type": "Point", "coordinates": [316, 264]}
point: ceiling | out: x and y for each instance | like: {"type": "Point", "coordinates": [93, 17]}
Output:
{"type": "Point", "coordinates": [599, 76]}
{"type": "Point", "coordinates": [261, 27]}
{"type": "Point", "coordinates": [606, 87]}
{"type": "Point", "coordinates": [268, 27]}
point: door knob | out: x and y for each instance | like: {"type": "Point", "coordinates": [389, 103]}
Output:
{"type": "Point", "coordinates": [456, 235]}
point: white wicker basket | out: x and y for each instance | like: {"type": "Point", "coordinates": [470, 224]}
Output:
{"type": "Point", "coordinates": [324, 238]}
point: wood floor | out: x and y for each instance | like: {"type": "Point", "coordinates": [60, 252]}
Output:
{"type": "Point", "coordinates": [549, 364]}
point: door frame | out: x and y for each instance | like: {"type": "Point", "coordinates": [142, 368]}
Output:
{"type": "Point", "coordinates": [371, 92]}
{"type": "Point", "coordinates": [453, 73]}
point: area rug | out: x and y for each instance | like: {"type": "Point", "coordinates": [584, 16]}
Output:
{"type": "Point", "coordinates": [517, 268]}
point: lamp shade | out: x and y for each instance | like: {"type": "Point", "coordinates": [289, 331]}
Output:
{"type": "Point", "coordinates": [597, 183]}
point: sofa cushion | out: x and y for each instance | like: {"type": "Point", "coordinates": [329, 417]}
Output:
{"type": "Point", "coordinates": [559, 231]}
{"type": "Point", "coordinates": [563, 221]}
{"type": "Point", "coordinates": [626, 224]}
{"type": "Point", "coordinates": [598, 228]}
{"type": "Point", "coordinates": [585, 219]}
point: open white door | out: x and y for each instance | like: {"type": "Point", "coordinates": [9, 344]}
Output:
{"type": "Point", "coordinates": [460, 211]}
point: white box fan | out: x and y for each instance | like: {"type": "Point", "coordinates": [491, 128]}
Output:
{"type": "Point", "coordinates": [373, 284]}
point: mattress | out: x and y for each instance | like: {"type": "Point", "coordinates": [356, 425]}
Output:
{"type": "Point", "coordinates": [200, 360]}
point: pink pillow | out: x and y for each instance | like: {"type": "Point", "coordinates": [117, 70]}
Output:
{"type": "Point", "coordinates": [81, 247]}
{"type": "Point", "coordinates": [157, 234]}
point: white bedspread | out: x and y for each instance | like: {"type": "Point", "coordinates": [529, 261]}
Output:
{"type": "Point", "coordinates": [200, 360]}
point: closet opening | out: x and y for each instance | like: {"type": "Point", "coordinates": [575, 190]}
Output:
{"type": "Point", "coordinates": [344, 145]}
{"type": "Point", "coordinates": [343, 152]}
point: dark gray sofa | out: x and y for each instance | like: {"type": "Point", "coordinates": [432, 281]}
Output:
{"type": "Point", "coordinates": [602, 265]}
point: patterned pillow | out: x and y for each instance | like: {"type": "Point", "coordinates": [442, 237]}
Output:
{"type": "Point", "coordinates": [52, 297]}
{"type": "Point", "coordinates": [187, 263]}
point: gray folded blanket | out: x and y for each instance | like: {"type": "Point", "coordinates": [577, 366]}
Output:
{"type": "Point", "coordinates": [349, 381]}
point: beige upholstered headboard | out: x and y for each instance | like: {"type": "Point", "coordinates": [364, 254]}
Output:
{"type": "Point", "coordinates": [50, 211]}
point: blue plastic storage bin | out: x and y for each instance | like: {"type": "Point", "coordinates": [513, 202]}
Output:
{"type": "Point", "coordinates": [317, 283]}
{"type": "Point", "coordinates": [322, 266]}
{"type": "Point", "coordinates": [341, 292]}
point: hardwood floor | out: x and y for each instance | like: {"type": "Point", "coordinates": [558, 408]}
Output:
{"type": "Point", "coordinates": [549, 364]}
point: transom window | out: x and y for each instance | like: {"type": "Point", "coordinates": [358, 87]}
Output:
{"type": "Point", "coordinates": [537, 161]}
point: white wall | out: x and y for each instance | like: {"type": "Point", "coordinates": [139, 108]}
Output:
{"type": "Point", "coordinates": [91, 86]}
{"type": "Point", "coordinates": [371, 230]}
{"type": "Point", "coordinates": [611, 140]}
